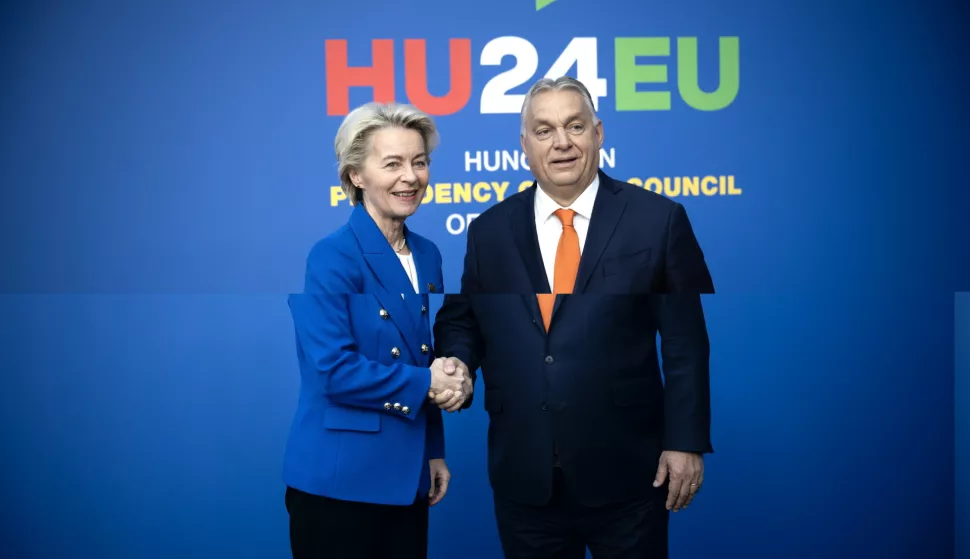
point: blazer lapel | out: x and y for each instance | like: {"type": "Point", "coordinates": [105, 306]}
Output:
{"type": "Point", "coordinates": [429, 280]}
{"type": "Point", "coordinates": [522, 223]}
{"type": "Point", "coordinates": [607, 211]}
{"type": "Point", "coordinates": [387, 269]}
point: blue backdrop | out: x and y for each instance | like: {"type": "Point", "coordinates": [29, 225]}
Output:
{"type": "Point", "coordinates": [962, 424]}
{"type": "Point", "coordinates": [166, 166]}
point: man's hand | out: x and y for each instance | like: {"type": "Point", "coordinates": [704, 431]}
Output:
{"type": "Point", "coordinates": [686, 472]}
{"type": "Point", "coordinates": [451, 399]}
{"type": "Point", "coordinates": [440, 476]}
{"type": "Point", "coordinates": [448, 381]}
{"type": "Point", "coordinates": [454, 365]}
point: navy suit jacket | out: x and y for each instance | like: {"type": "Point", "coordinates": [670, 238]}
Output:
{"type": "Point", "coordinates": [363, 429]}
{"type": "Point", "coordinates": [592, 385]}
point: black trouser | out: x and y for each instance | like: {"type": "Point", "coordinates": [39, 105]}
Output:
{"type": "Point", "coordinates": [564, 528]}
{"type": "Point", "coordinates": [321, 527]}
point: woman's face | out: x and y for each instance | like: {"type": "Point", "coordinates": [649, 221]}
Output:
{"type": "Point", "coordinates": [395, 174]}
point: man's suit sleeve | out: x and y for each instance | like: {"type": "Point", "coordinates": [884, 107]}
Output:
{"type": "Point", "coordinates": [685, 348]}
{"type": "Point", "coordinates": [686, 269]}
{"type": "Point", "coordinates": [685, 345]}
{"type": "Point", "coordinates": [321, 318]}
{"type": "Point", "coordinates": [455, 328]}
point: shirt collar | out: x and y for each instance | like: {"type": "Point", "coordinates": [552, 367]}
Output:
{"type": "Point", "coordinates": [545, 206]}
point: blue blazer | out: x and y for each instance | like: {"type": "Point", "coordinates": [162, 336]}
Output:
{"type": "Point", "coordinates": [592, 385]}
{"type": "Point", "coordinates": [363, 429]}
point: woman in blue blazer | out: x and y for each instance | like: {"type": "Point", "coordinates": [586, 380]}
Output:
{"type": "Point", "coordinates": [365, 455]}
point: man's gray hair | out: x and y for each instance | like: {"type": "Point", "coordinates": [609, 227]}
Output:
{"type": "Point", "coordinates": [564, 83]}
{"type": "Point", "coordinates": [352, 143]}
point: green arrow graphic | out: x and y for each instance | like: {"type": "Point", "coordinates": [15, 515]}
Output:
{"type": "Point", "coordinates": [543, 3]}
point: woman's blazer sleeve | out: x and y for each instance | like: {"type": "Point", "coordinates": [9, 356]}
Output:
{"type": "Point", "coordinates": [322, 318]}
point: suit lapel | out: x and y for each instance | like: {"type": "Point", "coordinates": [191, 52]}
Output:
{"type": "Point", "coordinates": [387, 269]}
{"type": "Point", "coordinates": [522, 223]}
{"type": "Point", "coordinates": [607, 211]}
{"type": "Point", "coordinates": [429, 281]}
{"type": "Point", "coordinates": [428, 277]}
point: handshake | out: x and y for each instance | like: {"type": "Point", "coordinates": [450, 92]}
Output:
{"type": "Point", "coordinates": [451, 383]}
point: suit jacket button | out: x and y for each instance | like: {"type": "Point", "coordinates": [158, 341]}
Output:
{"type": "Point", "coordinates": [549, 360]}
{"type": "Point", "coordinates": [395, 352]}
{"type": "Point", "coordinates": [424, 309]}
{"type": "Point", "coordinates": [387, 405]}
{"type": "Point", "coordinates": [384, 314]}
{"type": "Point", "coordinates": [397, 406]}
{"type": "Point", "coordinates": [405, 410]}
{"type": "Point", "coordinates": [424, 348]}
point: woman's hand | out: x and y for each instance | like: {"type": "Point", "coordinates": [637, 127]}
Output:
{"type": "Point", "coordinates": [440, 476]}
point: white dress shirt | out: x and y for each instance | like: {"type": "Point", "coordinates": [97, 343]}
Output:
{"type": "Point", "coordinates": [549, 228]}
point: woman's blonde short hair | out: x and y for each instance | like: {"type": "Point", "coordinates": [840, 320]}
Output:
{"type": "Point", "coordinates": [352, 143]}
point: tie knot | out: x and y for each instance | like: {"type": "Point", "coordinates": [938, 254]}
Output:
{"type": "Point", "coordinates": [566, 217]}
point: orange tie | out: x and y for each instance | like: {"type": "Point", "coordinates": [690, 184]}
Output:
{"type": "Point", "coordinates": [567, 265]}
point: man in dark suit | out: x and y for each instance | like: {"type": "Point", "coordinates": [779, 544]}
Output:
{"type": "Point", "coordinates": [589, 446]}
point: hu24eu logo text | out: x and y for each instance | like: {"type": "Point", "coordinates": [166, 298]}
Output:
{"type": "Point", "coordinates": [639, 73]}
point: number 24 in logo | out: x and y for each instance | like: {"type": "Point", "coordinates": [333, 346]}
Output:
{"type": "Point", "coordinates": [582, 53]}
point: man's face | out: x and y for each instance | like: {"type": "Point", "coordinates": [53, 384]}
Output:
{"type": "Point", "coordinates": [561, 142]}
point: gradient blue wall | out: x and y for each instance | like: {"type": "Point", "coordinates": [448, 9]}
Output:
{"type": "Point", "coordinates": [166, 166]}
